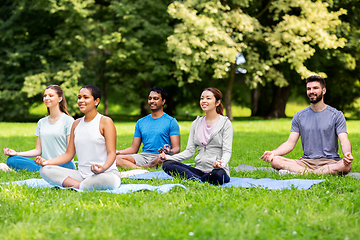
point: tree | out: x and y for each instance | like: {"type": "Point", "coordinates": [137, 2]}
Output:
{"type": "Point", "coordinates": [119, 46]}
{"type": "Point", "coordinates": [141, 60]}
{"type": "Point", "coordinates": [41, 43]}
{"type": "Point", "coordinates": [342, 65]}
{"type": "Point", "coordinates": [275, 37]}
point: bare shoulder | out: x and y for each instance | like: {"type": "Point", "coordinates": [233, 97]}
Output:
{"type": "Point", "coordinates": [106, 120]}
{"type": "Point", "coordinates": [76, 123]}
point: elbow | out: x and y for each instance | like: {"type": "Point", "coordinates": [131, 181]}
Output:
{"type": "Point", "coordinates": [175, 150]}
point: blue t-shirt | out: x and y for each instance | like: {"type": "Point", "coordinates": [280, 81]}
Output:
{"type": "Point", "coordinates": [155, 133]}
{"type": "Point", "coordinates": [53, 136]}
{"type": "Point", "coordinates": [319, 132]}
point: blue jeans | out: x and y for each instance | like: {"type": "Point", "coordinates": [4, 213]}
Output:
{"type": "Point", "coordinates": [28, 164]}
{"type": "Point", "coordinates": [217, 176]}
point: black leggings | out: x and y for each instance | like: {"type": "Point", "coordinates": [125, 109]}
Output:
{"type": "Point", "coordinates": [216, 176]}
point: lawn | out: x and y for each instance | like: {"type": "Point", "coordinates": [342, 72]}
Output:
{"type": "Point", "coordinates": [329, 210]}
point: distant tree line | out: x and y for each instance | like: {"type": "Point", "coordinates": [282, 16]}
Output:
{"type": "Point", "coordinates": [127, 46]}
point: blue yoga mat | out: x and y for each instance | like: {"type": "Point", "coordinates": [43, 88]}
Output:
{"type": "Point", "coordinates": [124, 188]}
{"type": "Point", "coordinates": [265, 183]}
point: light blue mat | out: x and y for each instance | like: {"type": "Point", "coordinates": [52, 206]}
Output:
{"type": "Point", "coordinates": [151, 175]}
{"type": "Point", "coordinates": [271, 184]}
{"type": "Point", "coordinates": [265, 183]}
{"type": "Point", "coordinates": [124, 188]}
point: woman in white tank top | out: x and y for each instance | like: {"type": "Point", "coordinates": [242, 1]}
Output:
{"type": "Point", "coordinates": [93, 139]}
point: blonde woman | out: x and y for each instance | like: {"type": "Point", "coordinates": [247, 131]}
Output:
{"type": "Point", "coordinates": [52, 133]}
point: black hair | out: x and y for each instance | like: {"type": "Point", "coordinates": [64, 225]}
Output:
{"type": "Point", "coordinates": [95, 91]}
{"type": "Point", "coordinates": [315, 78]}
{"type": "Point", "coordinates": [159, 90]}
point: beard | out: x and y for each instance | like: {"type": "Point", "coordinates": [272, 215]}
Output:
{"type": "Point", "coordinates": [317, 99]}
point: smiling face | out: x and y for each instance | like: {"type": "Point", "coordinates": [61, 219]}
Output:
{"type": "Point", "coordinates": [86, 100]}
{"type": "Point", "coordinates": [51, 98]}
{"type": "Point", "coordinates": [155, 101]}
{"type": "Point", "coordinates": [315, 92]}
{"type": "Point", "coordinates": [208, 101]}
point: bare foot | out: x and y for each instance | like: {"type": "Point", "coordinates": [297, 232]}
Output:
{"type": "Point", "coordinates": [154, 163]}
{"type": "Point", "coordinates": [5, 167]}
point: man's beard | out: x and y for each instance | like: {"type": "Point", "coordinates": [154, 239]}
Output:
{"type": "Point", "coordinates": [317, 99]}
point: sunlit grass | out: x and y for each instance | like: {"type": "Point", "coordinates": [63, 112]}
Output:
{"type": "Point", "coordinates": [202, 211]}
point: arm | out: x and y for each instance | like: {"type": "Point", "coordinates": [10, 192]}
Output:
{"type": "Point", "coordinates": [190, 147]}
{"type": "Point", "coordinates": [175, 143]}
{"type": "Point", "coordinates": [134, 148]}
{"type": "Point", "coordinates": [31, 153]}
{"type": "Point", "coordinates": [346, 147]}
{"type": "Point", "coordinates": [108, 130]}
{"type": "Point", "coordinates": [226, 147]}
{"type": "Point", "coordinates": [64, 158]}
{"type": "Point", "coordinates": [283, 149]}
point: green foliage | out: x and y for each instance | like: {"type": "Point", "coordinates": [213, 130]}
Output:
{"type": "Point", "coordinates": [41, 43]}
{"type": "Point", "coordinates": [210, 34]}
{"type": "Point", "coordinates": [202, 211]}
{"type": "Point", "coordinates": [342, 65]}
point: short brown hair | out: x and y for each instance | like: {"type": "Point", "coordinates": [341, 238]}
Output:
{"type": "Point", "coordinates": [315, 78]}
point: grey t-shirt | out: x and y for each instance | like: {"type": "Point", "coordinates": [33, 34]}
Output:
{"type": "Point", "coordinates": [319, 132]}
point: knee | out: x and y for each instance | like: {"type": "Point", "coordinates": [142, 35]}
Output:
{"type": "Point", "coordinates": [345, 169]}
{"type": "Point", "coordinates": [44, 171]}
{"type": "Point", "coordinates": [47, 171]}
{"type": "Point", "coordinates": [219, 173]}
{"type": "Point", "coordinates": [168, 164]}
{"type": "Point", "coordinates": [277, 163]}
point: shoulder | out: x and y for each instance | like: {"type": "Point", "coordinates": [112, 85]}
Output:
{"type": "Point", "coordinates": [106, 120]}
{"type": "Point", "coordinates": [224, 118]}
{"type": "Point", "coordinates": [225, 121]}
{"type": "Point", "coordinates": [198, 119]}
{"type": "Point", "coordinates": [333, 110]}
{"type": "Point", "coordinates": [167, 117]}
{"type": "Point", "coordinates": [67, 117]}
{"type": "Point", "coordinates": [43, 119]}
{"type": "Point", "coordinates": [302, 112]}
{"type": "Point", "coordinates": [76, 122]}
{"type": "Point", "coordinates": [146, 118]}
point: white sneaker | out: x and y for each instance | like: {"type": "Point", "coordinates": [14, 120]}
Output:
{"type": "Point", "coordinates": [284, 172]}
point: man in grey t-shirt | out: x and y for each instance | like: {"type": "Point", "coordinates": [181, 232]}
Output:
{"type": "Point", "coordinates": [320, 127]}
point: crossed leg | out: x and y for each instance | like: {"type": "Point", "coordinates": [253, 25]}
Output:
{"type": "Point", "coordinates": [336, 169]}
{"type": "Point", "coordinates": [126, 161]}
{"type": "Point", "coordinates": [339, 167]}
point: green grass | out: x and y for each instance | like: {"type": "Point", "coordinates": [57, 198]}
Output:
{"type": "Point", "coordinates": [329, 210]}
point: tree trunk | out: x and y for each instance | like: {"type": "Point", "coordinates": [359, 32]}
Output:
{"type": "Point", "coordinates": [144, 107]}
{"type": "Point", "coordinates": [254, 101]}
{"type": "Point", "coordinates": [229, 88]}
{"type": "Point", "coordinates": [105, 95]}
{"type": "Point", "coordinates": [280, 98]}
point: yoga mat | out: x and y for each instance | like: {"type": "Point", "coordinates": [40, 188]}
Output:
{"type": "Point", "coordinates": [151, 175]}
{"type": "Point", "coordinates": [248, 168]}
{"type": "Point", "coordinates": [244, 167]}
{"type": "Point", "coordinates": [124, 188]}
{"type": "Point", "coordinates": [265, 183]}
{"type": "Point", "coordinates": [271, 184]}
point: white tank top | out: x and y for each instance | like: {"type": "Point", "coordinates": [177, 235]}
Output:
{"type": "Point", "coordinates": [90, 146]}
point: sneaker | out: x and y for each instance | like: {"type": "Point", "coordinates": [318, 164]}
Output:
{"type": "Point", "coordinates": [284, 172]}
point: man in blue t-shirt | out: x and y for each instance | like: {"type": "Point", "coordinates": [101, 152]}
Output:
{"type": "Point", "coordinates": [320, 127]}
{"type": "Point", "coordinates": [157, 132]}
